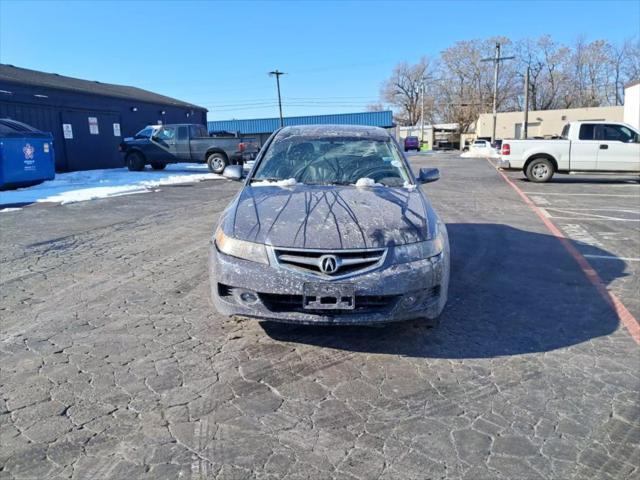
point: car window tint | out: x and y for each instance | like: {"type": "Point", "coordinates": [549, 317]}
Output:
{"type": "Point", "coordinates": [565, 131]}
{"type": "Point", "coordinates": [618, 133]}
{"type": "Point", "coordinates": [167, 133]}
{"type": "Point", "coordinates": [182, 133]}
{"type": "Point", "coordinates": [587, 131]}
{"type": "Point", "coordinates": [197, 131]}
{"type": "Point", "coordinates": [145, 132]}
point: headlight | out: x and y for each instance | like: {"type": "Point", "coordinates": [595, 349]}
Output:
{"type": "Point", "coordinates": [413, 252]}
{"type": "Point", "coordinates": [254, 252]}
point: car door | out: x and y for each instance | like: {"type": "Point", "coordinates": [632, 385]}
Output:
{"type": "Point", "coordinates": [619, 148]}
{"type": "Point", "coordinates": [183, 150]}
{"type": "Point", "coordinates": [584, 150]}
{"type": "Point", "coordinates": [165, 142]}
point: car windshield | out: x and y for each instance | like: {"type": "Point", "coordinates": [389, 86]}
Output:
{"type": "Point", "coordinates": [144, 133]}
{"type": "Point", "coordinates": [333, 161]}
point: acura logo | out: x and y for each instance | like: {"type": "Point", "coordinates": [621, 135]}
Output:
{"type": "Point", "coordinates": [328, 264]}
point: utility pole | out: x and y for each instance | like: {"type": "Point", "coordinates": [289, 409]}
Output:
{"type": "Point", "coordinates": [277, 74]}
{"type": "Point", "coordinates": [525, 125]}
{"type": "Point", "coordinates": [422, 113]}
{"type": "Point", "coordinates": [496, 71]}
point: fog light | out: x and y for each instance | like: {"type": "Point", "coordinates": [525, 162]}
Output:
{"type": "Point", "coordinates": [248, 297]}
{"type": "Point", "coordinates": [409, 301]}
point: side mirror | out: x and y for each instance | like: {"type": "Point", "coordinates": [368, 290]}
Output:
{"type": "Point", "coordinates": [428, 175]}
{"type": "Point", "coordinates": [232, 172]}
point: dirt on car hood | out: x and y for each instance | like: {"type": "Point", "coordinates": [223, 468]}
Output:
{"type": "Point", "coordinates": [329, 217]}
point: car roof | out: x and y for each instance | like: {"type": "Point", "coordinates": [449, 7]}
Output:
{"type": "Point", "coordinates": [374, 133]}
{"type": "Point", "coordinates": [600, 122]}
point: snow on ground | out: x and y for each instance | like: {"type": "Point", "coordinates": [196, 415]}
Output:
{"type": "Point", "coordinates": [481, 153]}
{"type": "Point", "coordinates": [91, 184]}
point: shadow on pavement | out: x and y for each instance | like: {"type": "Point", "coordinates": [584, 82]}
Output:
{"type": "Point", "coordinates": [511, 292]}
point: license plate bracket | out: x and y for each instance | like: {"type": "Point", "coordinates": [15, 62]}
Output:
{"type": "Point", "coordinates": [328, 296]}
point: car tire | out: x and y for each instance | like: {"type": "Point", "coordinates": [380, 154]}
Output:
{"type": "Point", "coordinates": [135, 162]}
{"type": "Point", "coordinates": [158, 165]}
{"type": "Point", "coordinates": [217, 162]}
{"type": "Point", "coordinates": [539, 170]}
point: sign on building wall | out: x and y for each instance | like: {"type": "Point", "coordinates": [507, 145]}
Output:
{"type": "Point", "coordinates": [67, 130]}
{"type": "Point", "coordinates": [116, 129]}
{"type": "Point", "coordinates": [93, 126]}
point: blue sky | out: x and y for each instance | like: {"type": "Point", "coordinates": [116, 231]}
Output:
{"type": "Point", "coordinates": [217, 54]}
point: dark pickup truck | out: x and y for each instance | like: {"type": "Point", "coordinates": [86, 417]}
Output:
{"type": "Point", "coordinates": [159, 145]}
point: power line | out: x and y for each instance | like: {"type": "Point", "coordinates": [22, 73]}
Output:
{"type": "Point", "coordinates": [496, 68]}
{"type": "Point", "coordinates": [323, 100]}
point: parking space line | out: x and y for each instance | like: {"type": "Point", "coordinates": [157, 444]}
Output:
{"type": "Point", "coordinates": [596, 217]}
{"type": "Point", "coordinates": [625, 316]}
{"type": "Point", "coordinates": [544, 194]}
{"type": "Point", "coordinates": [573, 209]}
{"type": "Point", "coordinates": [612, 257]}
{"type": "Point", "coordinates": [586, 215]}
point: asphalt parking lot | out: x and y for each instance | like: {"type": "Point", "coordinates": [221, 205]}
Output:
{"type": "Point", "coordinates": [597, 212]}
{"type": "Point", "coordinates": [114, 364]}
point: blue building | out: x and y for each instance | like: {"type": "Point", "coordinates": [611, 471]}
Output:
{"type": "Point", "coordinates": [87, 119]}
{"type": "Point", "coordinates": [261, 128]}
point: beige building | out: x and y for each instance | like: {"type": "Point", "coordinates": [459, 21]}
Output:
{"type": "Point", "coordinates": [546, 123]}
{"type": "Point", "coordinates": [543, 123]}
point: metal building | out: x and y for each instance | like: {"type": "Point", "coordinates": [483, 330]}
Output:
{"type": "Point", "coordinates": [87, 118]}
{"type": "Point", "coordinates": [263, 127]}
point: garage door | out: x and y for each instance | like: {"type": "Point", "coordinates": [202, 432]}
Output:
{"type": "Point", "coordinates": [91, 140]}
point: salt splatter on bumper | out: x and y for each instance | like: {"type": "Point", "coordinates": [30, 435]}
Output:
{"type": "Point", "coordinates": [391, 293]}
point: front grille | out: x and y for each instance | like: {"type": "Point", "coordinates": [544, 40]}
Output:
{"type": "Point", "coordinates": [293, 303]}
{"type": "Point", "coordinates": [320, 262]}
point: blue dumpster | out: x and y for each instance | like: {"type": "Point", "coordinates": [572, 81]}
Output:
{"type": "Point", "coordinates": [26, 155]}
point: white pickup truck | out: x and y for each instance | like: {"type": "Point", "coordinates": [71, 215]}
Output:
{"type": "Point", "coordinates": [583, 147]}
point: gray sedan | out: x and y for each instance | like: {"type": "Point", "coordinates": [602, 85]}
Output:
{"type": "Point", "coordinates": [331, 227]}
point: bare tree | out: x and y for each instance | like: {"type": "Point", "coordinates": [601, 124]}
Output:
{"type": "Point", "coordinates": [548, 63]}
{"type": "Point", "coordinates": [459, 86]}
{"type": "Point", "coordinates": [402, 90]}
{"type": "Point", "coordinates": [466, 82]}
{"type": "Point", "coordinates": [590, 66]}
{"type": "Point", "coordinates": [375, 107]}
{"type": "Point", "coordinates": [631, 67]}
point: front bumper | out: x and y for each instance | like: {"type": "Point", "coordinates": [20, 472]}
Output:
{"type": "Point", "coordinates": [391, 293]}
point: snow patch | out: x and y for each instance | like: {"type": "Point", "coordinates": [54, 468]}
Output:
{"type": "Point", "coordinates": [92, 184]}
{"type": "Point", "coordinates": [367, 182]}
{"type": "Point", "coordinates": [480, 153]}
{"type": "Point", "coordinates": [287, 182]}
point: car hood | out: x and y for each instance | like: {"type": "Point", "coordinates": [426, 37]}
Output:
{"type": "Point", "coordinates": [330, 217]}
